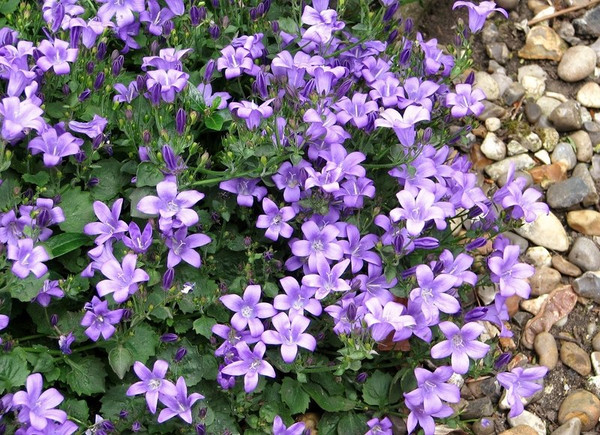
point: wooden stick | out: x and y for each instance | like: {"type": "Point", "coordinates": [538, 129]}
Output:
{"type": "Point", "coordinates": [562, 12]}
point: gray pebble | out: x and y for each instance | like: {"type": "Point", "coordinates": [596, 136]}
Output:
{"type": "Point", "coordinates": [585, 254]}
{"type": "Point", "coordinates": [577, 63]}
{"type": "Point", "coordinates": [581, 171]}
{"type": "Point", "coordinates": [532, 112]}
{"type": "Point", "coordinates": [567, 193]}
{"type": "Point", "coordinates": [564, 152]}
{"type": "Point", "coordinates": [514, 93]}
{"type": "Point", "coordinates": [567, 116]}
{"type": "Point", "coordinates": [588, 286]}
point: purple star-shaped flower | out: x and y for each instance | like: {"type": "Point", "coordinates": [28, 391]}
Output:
{"type": "Point", "coordinates": [379, 427]}
{"type": "Point", "coordinates": [251, 365]}
{"type": "Point", "coordinates": [181, 247]}
{"type": "Point", "coordinates": [234, 61]}
{"type": "Point", "coordinates": [65, 342]}
{"type": "Point", "coordinates": [417, 210]}
{"type": "Point", "coordinates": [327, 279]}
{"type": "Point", "coordinates": [170, 82]}
{"type": "Point", "coordinates": [290, 178]}
{"type": "Point", "coordinates": [280, 429]}
{"type": "Point", "coordinates": [245, 188]}
{"type": "Point", "coordinates": [126, 94]}
{"type": "Point", "coordinates": [319, 246]}
{"type": "Point", "coordinates": [17, 115]}
{"type": "Point", "coordinates": [297, 298]}
{"type": "Point", "coordinates": [179, 404]}
{"type": "Point", "coordinates": [152, 383]}
{"type": "Point", "coordinates": [248, 311]}
{"type": "Point", "coordinates": [156, 17]}
{"type": "Point", "coordinates": [403, 124]}
{"type": "Point", "coordinates": [27, 259]}
{"type": "Point", "coordinates": [49, 289]}
{"type": "Point", "coordinates": [510, 275]}
{"type": "Point", "coordinates": [479, 13]}
{"type": "Point", "coordinates": [251, 112]}
{"type": "Point", "coordinates": [55, 146]}
{"type": "Point", "coordinates": [322, 22]}
{"type": "Point", "coordinates": [110, 226]}
{"type": "Point", "coordinates": [122, 279]}
{"type": "Point", "coordinates": [91, 128]}
{"type": "Point", "coordinates": [100, 320]}
{"type": "Point", "coordinates": [520, 383]}
{"type": "Point", "coordinates": [466, 101]}
{"type": "Point", "coordinates": [419, 416]}
{"type": "Point", "coordinates": [275, 220]}
{"type": "Point", "coordinates": [461, 344]}
{"type": "Point", "coordinates": [359, 250]}
{"type": "Point", "coordinates": [389, 318]}
{"type": "Point", "coordinates": [290, 335]}
{"type": "Point", "coordinates": [123, 9]}
{"type": "Point", "coordinates": [37, 407]}
{"type": "Point", "coordinates": [56, 55]}
{"type": "Point", "coordinates": [431, 293]}
{"type": "Point", "coordinates": [355, 110]}
{"type": "Point", "coordinates": [138, 241]}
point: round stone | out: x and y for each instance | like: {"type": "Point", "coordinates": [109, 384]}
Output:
{"type": "Point", "coordinates": [589, 95]}
{"type": "Point", "coordinates": [585, 254]}
{"type": "Point", "coordinates": [583, 145]}
{"type": "Point", "coordinates": [576, 358]}
{"type": "Point", "coordinates": [585, 221]}
{"type": "Point", "coordinates": [545, 346]}
{"type": "Point", "coordinates": [582, 405]}
{"type": "Point", "coordinates": [577, 63]}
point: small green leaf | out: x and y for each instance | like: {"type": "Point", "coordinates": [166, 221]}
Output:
{"type": "Point", "coordinates": [64, 243]}
{"type": "Point", "coordinates": [327, 402]}
{"type": "Point", "coordinates": [120, 359]}
{"type": "Point", "coordinates": [77, 207]}
{"type": "Point", "coordinates": [86, 376]}
{"type": "Point", "coordinates": [27, 289]}
{"type": "Point", "coordinates": [8, 7]}
{"type": "Point", "coordinates": [214, 122]}
{"type": "Point", "coordinates": [8, 190]}
{"type": "Point", "coordinates": [293, 396]}
{"type": "Point", "coordinates": [40, 179]}
{"type": "Point", "coordinates": [13, 372]}
{"type": "Point", "coordinates": [352, 423]}
{"type": "Point", "coordinates": [328, 423]}
{"type": "Point", "coordinates": [110, 180]}
{"type": "Point", "coordinates": [148, 174]}
{"type": "Point", "coordinates": [203, 326]}
{"type": "Point", "coordinates": [142, 343]}
{"type": "Point", "coordinates": [376, 388]}
{"type": "Point", "coordinates": [76, 408]}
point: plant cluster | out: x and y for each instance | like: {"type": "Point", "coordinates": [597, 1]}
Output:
{"type": "Point", "coordinates": [216, 217]}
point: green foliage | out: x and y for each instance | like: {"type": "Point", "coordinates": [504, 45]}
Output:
{"type": "Point", "coordinates": [86, 375]}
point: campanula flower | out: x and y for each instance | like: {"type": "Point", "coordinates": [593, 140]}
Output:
{"type": "Point", "coordinates": [100, 320]}
{"type": "Point", "coordinates": [152, 383]}
{"type": "Point", "coordinates": [37, 407]}
{"type": "Point", "coordinates": [280, 429]}
{"type": "Point", "coordinates": [319, 246]}
{"type": "Point", "coordinates": [122, 279]}
{"type": "Point", "coordinates": [248, 311]}
{"type": "Point", "coordinates": [479, 13]}
{"type": "Point", "coordinates": [56, 55]}
{"type": "Point", "coordinates": [275, 220]}
{"type": "Point", "coordinates": [55, 146]}
{"type": "Point", "coordinates": [110, 226]}
{"type": "Point", "coordinates": [138, 241]}
{"type": "Point", "coordinates": [178, 404]}
{"type": "Point", "coordinates": [520, 383]}
{"type": "Point", "coordinates": [432, 388]}
{"type": "Point", "coordinates": [181, 247]}
{"type": "Point", "coordinates": [290, 335]}
{"type": "Point", "coordinates": [27, 259]}
{"type": "Point", "coordinates": [49, 289]}
{"type": "Point", "coordinates": [245, 188]}
{"type": "Point", "coordinates": [510, 275]}
{"type": "Point", "coordinates": [17, 116]}
{"type": "Point", "coordinates": [251, 112]}
{"type": "Point", "coordinates": [297, 298]}
{"type": "Point", "coordinates": [461, 344]}
{"type": "Point", "coordinates": [250, 365]}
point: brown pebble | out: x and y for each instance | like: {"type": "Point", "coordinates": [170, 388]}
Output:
{"type": "Point", "coordinates": [585, 221]}
{"type": "Point", "coordinates": [546, 175]}
{"type": "Point", "coordinates": [545, 346]}
{"type": "Point", "coordinates": [521, 429]}
{"type": "Point", "coordinates": [575, 357]}
{"type": "Point", "coordinates": [512, 304]}
{"type": "Point", "coordinates": [565, 267]}
{"type": "Point", "coordinates": [596, 342]}
{"type": "Point", "coordinates": [583, 405]}
{"type": "Point", "coordinates": [544, 280]}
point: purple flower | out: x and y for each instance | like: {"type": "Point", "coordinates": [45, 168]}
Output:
{"type": "Point", "coordinates": [156, 17]}
{"type": "Point", "coordinates": [387, 91]}
{"type": "Point", "coordinates": [417, 210]}
{"type": "Point", "coordinates": [65, 342]}
{"type": "Point", "coordinates": [466, 101]}
{"type": "Point", "coordinates": [49, 289]}
{"type": "Point", "coordinates": [434, 57]}
{"type": "Point", "coordinates": [11, 228]}
{"type": "Point", "coordinates": [415, 92]}
{"type": "Point", "coordinates": [36, 408]}
{"type": "Point", "coordinates": [178, 404]}
{"type": "Point", "coordinates": [110, 226]}
{"type": "Point", "coordinates": [296, 299]}
{"type": "Point", "coordinates": [275, 220]}
{"type": "Point", "coordinates": [359, 250]}
{"type": "Point", "coordinates": [389, 318]}
{"type": "Point", "coordinates": [170, 82]}
{"type": "Point", "coordinates": [328, 279]}
{"type": "Point", "coordinates": [245, 188]}
{"type": "Point", "coordinates": [431, 293]}
{"type": "Point", "coordinates": [376, 285]}
{"type": "Point", "coordinates": [181, 247]}
{"type": "Point", "coordinates": [289, 179]}
{"type": "Point", "coordinates": [126, 94]}
{"type": "Point", "coordinates": [152, 383]}
{"type": "Point", "coordinates": [55, 147]}
{"type": "Point", "coordinates": [169, 204]}
{"type": "Point", "coordinates": [379, 427]}
{"type": "Point", "coordinates": [3, 321]}
{"type": "Point", "coordinates": [123, 9]}
{"type": "Point", "coordinates": [56, 55]}
{"type": "Point", "coordinates": [210, 99]}
{"type": "Point", "coordinates": [419, 416]}
{"type": "Point", "coordinates": [290, 335]}
{"type": "Point", "coordinates": [355, 110]}
{"type": "Point", "coordinates": [252, 112]}
{"type": "Point", "coordinates": [92, 128]}
{"type": "Point", "coordinates": [347, 315]}
{"type": "Point", "coordinates": [248, 310]}
{"type": "Point", "coordinates": [433, 388]}
{"type": "Point", "coordinates": [510, 275]}
{"type": "Point", "coordinates": [137, 241]}
{"type": "Point", "coordinates": [518, 203]}
{"type": "Point", "coordinates": [251, 365]}
{"type": "Point", "coordinates": [320, 245]}
{"type": "Point", "coordinates": [520, 383]}
{"type": "Point", "coordinates": [234, 61]}
{"type": "Point", "coordinates": [403, 125]}
{"type": "Point", "coordinates": [27, 259]}
{"type": "Point", "coordinates": [458, 267]}
{"type": "Point", "coordinates": [322, 22]}
{"type": "Point", "coordinates": [479, 13]}
{"type": "Point", "coordinates": [280, 429]}
{"type": "Point", "coordinates": [100, 320]}
{"type": "Point", "coordinates": [461, 344]}
{"type": "Point", "coordinates": [122, 279]}
{"type": "Point", "coordinates": [19, 115]}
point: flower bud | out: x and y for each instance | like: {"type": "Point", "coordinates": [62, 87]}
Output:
{"type": "Point", "coordinates": [80, 156]}
{"type": "Point", "coordinates": [362, 377]}
{"type": "Point", "coordinates": [214, 31]}
{"type": "Point", "coordinates": [426, 243]}
{"type": "Point", "coordinates": [155, 94]}
{"type": "Point", "coordinates": [84, 95]}
{"type": "Point", "coordinates": [477, 243]}
{"type": "Point", "coordinates": [200, 429]}
{"type": "Point", "coordinates": [99, 80]}
{"type": "Point", "coordinates": [195, 16]}
{"type": "Point", "coordinates": [127, 313]}
{"type": "Point", "coordinates": [101, 51]}
{"type": "Point", "coordinates": [181, 352]}
{"type": "Point", "coordinates": [94, 181]}
{"type": "Point", "coordinates": [470, 78]}
{"type": "Point", "coordinates": [74, 35]}
{"type": "Point", "coordinates": [389, 13]}
{"type": "Point", "coordinates": [180, 120]}
{"type": "Point", "coordinates": [215, 3]}
{"type": "Point", "coordinates": [502, 360]}
{"type": "Point", "coordinates": [54, 319]}
{"type": "Point", "coordinates": [408, 25]}
{"type": "Point", "coordinates": [65, 89]}
{"type": "Point", "coordinates": [123, 414]}
{"type": "Point", "coordinates": [275, 26]}
{"type": "Point", "coordinates": [117, 65]}
{"type": "Point", "coordinates": [405, 56]}
{"type": "Point", "coordinates": [169, 337]}
{"type": "Point", "coordinates": [202, 413]}
{"type": "Point", "coordinates": [408, 272]}
{"type": "Point", "coordinates": [97, 141]}
{"type": "Point", "coordinates": [168, 277]}
{"type": "Point", "coordinates": [351, 312]}
{"type": "Point", "coordinates": [392, 37]}
{"type": "Point", "coordinates": [210, 69]}
{"type": "Point", "coordinates": [136, 426]}
{"type": "Point", "coordinates": [168, 27]}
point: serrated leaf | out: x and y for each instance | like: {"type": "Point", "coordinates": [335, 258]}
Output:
{"type": "Point", "coordinates": [77, 207]}
{"type": "Point", "coordinates": [110, 180]}
{"type": "Point", "coordinates": [293, 396]}
{"type": "Point", "coordinates": [13, 372]}
{"type": "Point", "coordinates": [8, 6]}
{"type": "Point", "coordinates": [9, 186]}
{"type": "Point", "coordinates": [64, 243]}
{"type": "Point", "coordinates": [142, 343]}
{"type": "Point", "coordinates": [351, 423]}
{"type": "Point", "coordinates": [376, 388]}
{"type": "Point", "coordinates": [328, 423]}
{"type": "Point", "coordinates": [120, 359]}
{"type": "Point", "coordinates": [76, 408]}
{"type": "Point", "coordinates": [27, 289]}
{"type": "Point", "coordinates": [40, 179]}
{"type": "Point", "coordinates": [325, 401]}
{"type": "Point", "coordinates": [86, 376]}
{"type": "Point", "coordinates": [203, 326]}
{"type": "Point", "coordinates": [214, 121]}
{"type": "Point", "coordinates": [148, 174]}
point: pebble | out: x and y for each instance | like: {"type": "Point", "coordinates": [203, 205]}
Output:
{"type": "Point", "coordinates": [548, 104]}
{"type": "Point", "coordinates": [491, 110]}
{"type": "Point", "coordinates": [546, 175]}
{"type": "Point", "coordinates": [529, 419]}
{"type": "Point", "coordinates": [503, 81]}
{"type": "Point", "coordinates": [492, 146]}
{"type": "Point", "coordinates": [567, 193]}
{"type": "Point", "coordinates": [571, 427]}
{"type": "Point", "coordinates": [589, 95]}
{"type": "Point", "coordinates": [514, 148]}
{"type": "Point", "coordinates": [585, 254]}
{"type": "Point", "coordinates": [543, 156]}
{"type": "Point", "coordinates": [595, 169]}
{"type": "Point", "coordinates": [532, 142]}
{"type": "Point", "coordinates": [538, 256]}
{"type": "Point", "coordinates": [589, 23]}
{"type": "Point", "coordinates": [522, 429]}
{"type": "Point", "coordinates": [544, 280]}
{"type": "Point", "coordinates": [575, 357]}
{"type": "Point", "coordinates": [534, 305]}
{"type": "Point", "coordinates": [494, 124]}
{"type": "Point", "coordinates": [588, 286]}
{"type": "Point", "coordinates": [543, 42]}
{"type": "Point", "coordinates": [487, 84]}
{"type": "Point", "coordinates": [483, 426]}
{"type": "Point", "coordinates": [546, 231]}
{"type": "Point", "coordinates": [593, 129]}
{"type": "Point", "coordinates": [498, 51]}
{"type": "Point", "coordinates": [596, 47]}
{"type": "Point", "coordinates": [546, 349]}
{"type": "Point", "coordinates": [514, 93]}
{"type": "Point", "coordinates": [533, 79]}
{"type": "Point", "coordinates": [582, 171]}
{"type": "Point", "coordinates": [550, 138]}
{"type": "Point", "coordinates": [565, 267]}
{"type": "Point", "coordinates": [596, 342]}
{"type": "Point", "coordinates": [564, 152]}
{"type": "Point", "coordinates": [508, 4]}
{"type": "Point", "coordinates": [577, 63]}
{"type": "Point", "coordinates": [566, 117]}
{"type": "Point", "coordinates": [533, 112]}
{"type": "Point", "coordinates": [583, 145]}
{"type": "Point", "coordinates": [522, 161]}
{"type": "Point", "coordinates": [582, 405]}
{"type": "Point", "coordinates": [585, 221]}
{"type": "Point", "coordinates": [595, 357]}
{"type": "Point", "coordinates": [515, 239]}
{"type": "Point", "coordinates": [481, 407]}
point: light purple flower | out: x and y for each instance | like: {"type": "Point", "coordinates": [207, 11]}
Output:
{"type": "Point", "coordinates": [275, 220]}
{"type": "Point", "coordinates": [458, 267]}
{"type": "Point", "coordinates": [100, 320]}
{"type": "Point", "coordinates": [37, 407]}
{"type": "Point", "coordinates": [126, 94]}
{"type": "Point", "coordinates": [91, 128]}
{"type": "Point", "coordinates": [432, 388]}
{"type": "Point", "coordinates": [152, 383]}
{"type": "Point", "coordinates": [156, 17]}
{"type": "Point", "coordinates": [376, 285]}
{"type": "Point", "coordinates": [355, 110]}
{"type": "Point", "coordinates": [479, 13]}
{"type": "Point", "coordinates": [510, 275]}
{"type": "Point", "coordinates": [181, 247]}
{"type": "Point", "coordinates": [289, 179]}
{"type": "Point", "coordinates": [461, 344]}
{"type": "Point", "coordinates": [431, 293]}
{"type": "Point", "coordinates": [359, 250]}
{"type": "Point", "coordinates": [123, 9]}
{"type": "Point", "coordinates": [389, 318]}
{"type": "Point", "coordinates": [419, 416]}
{"type": "Point", "coordinates": [248, 311]}
{"type": "Point", "coordinates": [110, 226]}
{"type": "Point", "coordinates": [289, 335]}
{"type": "Point", "coordinates": [219, 99]}
{"type": "Point", "coordinates": [49, 289]}
{"type": "Point", "coordinates": [234, 61]}
{"type": "Point", "coordinates": [346, 314]}
{"type": "Point", "coordinates": [296, 299]}
{"type": "Point", "coordinates": [245, 188]}
{"type": "Point", "coordinates": [251, 365]}
{"type": "Point", "coordinates": [417, 210]}
{"type": "Point", "coordinates": [170, 82]}
{"type": "Point", "coordinates": [320, 245]}
{"type": "Point", "coordinates": [251, 112]}
{"type": "Point", "coordinates": [11, 228]}
{"type": "Point", "coordinates": [19, 115]}
{"type": "Point", "coordinates": [520, 383]}
{"type": "Point", "coordinates": [322, 22]}
{"type": "Point", "coordinates": [434, 57]}
{"type": "Point", "coordinates": [415, 92]}
{"type": "Point", "coordinates": [122, 279]}
{"type": "Point", "coordinates": [403, 124]}
{"type": "Point", "coordinates": [466, 101]}
{"type": "Point", "coordinates": [280, 429]}
{"type": "Point", "coordinates": [27, 259]}
{"type": "Point", "coordinates": [327, 279]}
{"type": "Point", "coordinates": [387, 91]}
{"type": "Point", "coordinates": [379, 427]}
{"type": "Point", "coordinates": [179, 404]}
{"type": "Point", "coordinates": [168, 58]}
{"type": "Point", "coordinates": [55, 147]}
{"type": "Point", "coordinates": [56, 55]}
{"type": "Point", "coordinates": [138, 241]}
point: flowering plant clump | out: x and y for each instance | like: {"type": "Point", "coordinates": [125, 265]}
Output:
{"type": "Point", "coordinates": [215, 218]}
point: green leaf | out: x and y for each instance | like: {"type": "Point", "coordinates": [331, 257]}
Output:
{"type": "Point", "coordinates": [293, 396]}
{"type": "Point", "coordinates": [86, 376]}
{"type": "Point", "coordinates": [142, 343]}
{"type": "Point", "coordinates": [40, 179]}
{"type": "Point", "coordinates": [8, 7]}
{"type": "Point", "coordinates": [214, 122]}
{"type": "Point", "coordinates": [76, 408]}
{"type": "Point", "coordinates": [9, 186]}
{"type": "Point", "coordinates": [203, 326]}
{"type": "Point", "coordinates": [77, 207]}
{"type": "Point", "coordinates": [120, 359]}
{"type": "Point", "coordinates": [64, 243]}
{"type": "Point", "coordinates": [328, 424]}
{"type": "Point", "coordinates": [134, 198]}
{"type": "Point", "coordinates": [148, 174]}
{"type": "Point", "coordinates": [325, 401]}
{"type": "Point", "coordinates": [376, 388]}
{"type": "Point", "coordinates": [110, 180]}
{"type": "Point", "coordinates": [27, 289]}
{"type": "Point", "coordinates": [270, 289]}
{"type": "Point", "coordinates": [116, 400]}
{"type": "Point", "coordinates": [13, 372]}
{"type": "Point", "coordinates": [352, 423]}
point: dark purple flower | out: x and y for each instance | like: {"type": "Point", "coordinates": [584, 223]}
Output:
{"type": "Point", "coordinates": [152, 383]}
{"type": "Point", "coordinates": [55, 146]}
{"type": "Point", "coordinates": [461, 344]}
{"type": "Point", "coordinates": [180, 354]}
{"type": "Point", "coordinates": [100, 320]}
{"type": "Point", "coordinates": [35, 407]}
{"type": "Point", "coordinates": [64, 343]}
{"type": "Point", "coordinates": [289, 335]}
{"type": "Point", "coordinates": [250, 365]}
{"type": "Point", "coordinates": [56, 55]}
{"type": "Point", "coordinates": [248, 311]}
{"type": "Point", "coordinates": [156, 17]}
{"type": "Point", "coordinates": [110, 226]}
{"type": "Point", "coordinates": [290, 178]}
